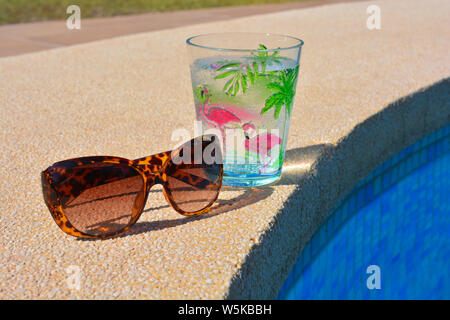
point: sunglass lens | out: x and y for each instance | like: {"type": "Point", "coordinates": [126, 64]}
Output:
{"type": "Point", "coordinates": [102, 197]}
{"type": "Point", "coordinates": [194, 175]}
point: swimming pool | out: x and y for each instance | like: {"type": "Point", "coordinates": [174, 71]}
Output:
{"type": "Point", "coordinates": [389, 238]}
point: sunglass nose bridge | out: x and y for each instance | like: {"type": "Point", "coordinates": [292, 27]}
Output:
{"type": "Point", "coordinates": [153, 165]}
{"type": "Point", "coordinates": [153, 172]}
{"type": "Point", "coordinates": [154, 169]}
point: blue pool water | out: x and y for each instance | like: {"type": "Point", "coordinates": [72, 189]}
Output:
{"type": "Point", "coordinates": [398, 220]}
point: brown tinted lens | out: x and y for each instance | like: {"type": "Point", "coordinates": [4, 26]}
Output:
{"type": "Point", "coordinates": [103, 197]}
{"type": "Point", "coordinates": [194, 185]}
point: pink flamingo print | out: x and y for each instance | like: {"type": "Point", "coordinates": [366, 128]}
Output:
{"type": "Point", "coordinates": [261, 143]}
{"type": "Point", "coordinates": [215, 114]}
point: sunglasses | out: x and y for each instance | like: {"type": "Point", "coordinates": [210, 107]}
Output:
{"type": "Point", "coordinates": [102, 196]}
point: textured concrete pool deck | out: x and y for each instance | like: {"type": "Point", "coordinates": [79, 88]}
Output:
{"type": "Point", "coordinates": [362, 96]}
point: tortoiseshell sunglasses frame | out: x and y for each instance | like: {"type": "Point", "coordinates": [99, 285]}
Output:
{"type": "Point", "coordinates": [152, 169]}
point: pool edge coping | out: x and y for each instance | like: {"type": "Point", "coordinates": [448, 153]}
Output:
{"type": "Point", "coordinates": [332, 176]}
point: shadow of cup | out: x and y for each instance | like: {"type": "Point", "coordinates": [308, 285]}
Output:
{"type": "Point", "coordinates": [298, 161]}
